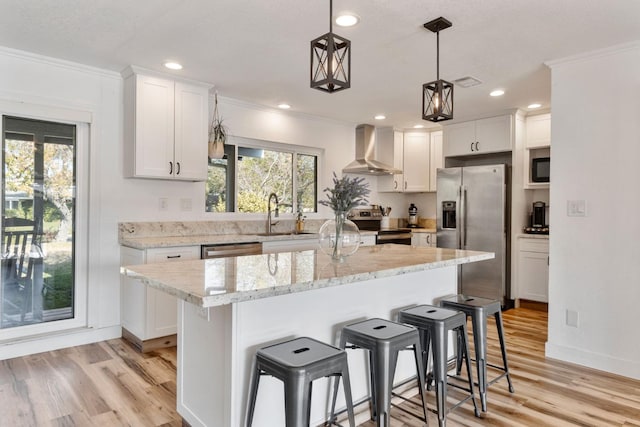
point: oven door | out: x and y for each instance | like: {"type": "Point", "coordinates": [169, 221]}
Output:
{"type": "Point", "coordinates": [399, 238]}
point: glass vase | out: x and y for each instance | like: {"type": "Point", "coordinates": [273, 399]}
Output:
{"type": "Point", "coordinates": [339, 237]}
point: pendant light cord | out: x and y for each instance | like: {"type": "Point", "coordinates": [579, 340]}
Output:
{"type": "Point", "coordinates": [438, 55]}
{"type": "Point", "coordinates": [331, 16]}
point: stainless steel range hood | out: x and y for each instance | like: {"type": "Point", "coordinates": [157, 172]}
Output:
{"type": "Point", "coordinates": [365, 152]}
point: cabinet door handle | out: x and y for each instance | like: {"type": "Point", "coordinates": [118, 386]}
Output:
{"type": "Point", "coordinates": [173, 256]}
{"type": "Point", "coordinates": [170, 168]}
{"type": "Point", "coordinates": [395, 184]}
{"type": "Point", "coordinates": [477, 142]}
{"type": "Point", "coordinates": [177, 168]}
{"type": "Point", "coordinates": [405, 185]}
{"type": "Point", "coordinates": [428, 239]}
{"type": "Point", "coordinates": [472, 146]}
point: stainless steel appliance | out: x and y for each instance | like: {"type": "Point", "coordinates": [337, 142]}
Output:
{"type": "Point", "coordinates": [538, 221]}
{"type": "Point", "coordinates": [540, 168]}
{"type": "Point", "coordinates": [370, 219]}
{"type": "Point", "coordinates": [473, 214]}
{"type": "Point", "coordinates": [230, 249]}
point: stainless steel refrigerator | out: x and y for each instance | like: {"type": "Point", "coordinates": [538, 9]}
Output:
{"type": "Point", "coordinates": [472, 213]}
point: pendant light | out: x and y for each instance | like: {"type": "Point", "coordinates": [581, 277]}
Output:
{"type": "Point", "coordinates": [330, 60]}
{"type": "Point", "coordinates": [437, 96]}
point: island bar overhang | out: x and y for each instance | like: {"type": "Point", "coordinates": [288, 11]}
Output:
{"type": "Point", "coordinates": [229, 307]}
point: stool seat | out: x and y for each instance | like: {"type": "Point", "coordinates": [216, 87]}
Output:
{"type": "Point", "coordinates": [384, 339]}
{"type": "Point", "coordinates": [434, 324]}
{"type": "Point", "coordinates": [297, 363]}
{"type": "Point", "coordinates": [479, 309]}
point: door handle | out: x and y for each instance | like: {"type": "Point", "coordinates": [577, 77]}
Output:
{"type": "Point", "coordinates": [395, 184]}
{"type": "Point", "coordinates": [472, 146]}
{"type": "Point", "coordinates": [405, 185]}
{"type": "Point", "coordinates": [463, 217]}
{"type": "Point", "coordinates": [170, 168]}
{"type": "Point", "coordinates": [173, 256]}
{"type": "Point", "coordinates": [177, 168]}
{"type": "Point", "coordinates": [477, 142]}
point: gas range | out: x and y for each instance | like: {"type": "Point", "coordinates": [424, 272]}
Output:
{"type": "Point", "coordinates": [370, 219]}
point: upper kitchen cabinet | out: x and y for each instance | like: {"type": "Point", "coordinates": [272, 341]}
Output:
{"type": "Point", "coordinates": [165, 127]}
{"type": "Point", "coordinates": [538, 133]}
{"type": "Point", "coordinates": [408, 151]}
{"type": "Point", "coordinates": [482, 136]}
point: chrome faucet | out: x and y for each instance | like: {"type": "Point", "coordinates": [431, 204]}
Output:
{"type": "Point", "coordinates": [269, 223]}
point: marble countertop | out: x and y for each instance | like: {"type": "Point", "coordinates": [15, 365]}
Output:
{"type": "Point", "coordinates": [214, 282]}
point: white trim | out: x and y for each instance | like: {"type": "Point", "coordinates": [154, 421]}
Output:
{"type": "Point", "coordinates": [587, 56]}
{"type": "Point", "coordinates": [604, 362]}
{"type": "Point", "coordinates": [63, 339]}
{"type": "Point", "coordinates": [61, 63]}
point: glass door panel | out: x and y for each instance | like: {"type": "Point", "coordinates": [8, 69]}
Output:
{"type": "Point", "coordinates": [38, 222]}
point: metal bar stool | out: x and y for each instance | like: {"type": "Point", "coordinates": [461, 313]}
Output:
{"type": "Point", "coordinates": [479, 309]}
{"type": "Point", "coordinates": [297, 363]}
{"type": "Point", "coordinates": [384, 339]}
{"type": "Point", "coordinates": [434, 324]}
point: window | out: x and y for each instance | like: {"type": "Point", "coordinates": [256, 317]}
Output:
{"type": "Point", "coordinates": [252, 169]}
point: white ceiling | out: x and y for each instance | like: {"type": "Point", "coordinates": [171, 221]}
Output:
{"type": "Point", "coordinates": [258, 50]}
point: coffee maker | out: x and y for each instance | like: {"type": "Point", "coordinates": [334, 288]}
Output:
{"type": "Point", "coordinates": [413, 216]}
{"type": "Point", "coordinates": [538, 222]}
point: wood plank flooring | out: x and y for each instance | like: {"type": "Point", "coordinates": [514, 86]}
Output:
{"type": "Point", "coordinates": [111, 384]}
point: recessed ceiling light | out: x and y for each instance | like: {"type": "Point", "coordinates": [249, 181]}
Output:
{"type": "Point", "coordinates": [380, 117]}
{"type": "Point", "coordinates": [347, 19]}
{"type": "Point", "coordinates": [418, 126]}
{"type": "Point", "coordinates": [535, 105]}
{"type": "Point", "coordinates": [497, 92]}
{"type": "Point", "coordinates": [173, 65]}
{"type": "Point", "coordinates": [284, 106]}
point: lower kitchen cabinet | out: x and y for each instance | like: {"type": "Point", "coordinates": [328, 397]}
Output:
{"type": "Point", "coordinates": [423, 239]}
{"type": "Point", "coordinates": [367, 240]}
{"type": "Point", "coordinates": [292, 245]}
{"type": "Point", "coordinates": [149, 316]}
{"type": "Point", "coordinates": [533, 269]}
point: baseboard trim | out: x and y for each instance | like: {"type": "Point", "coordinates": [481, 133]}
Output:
{"type": "Point", "coordinates": [601, 362]}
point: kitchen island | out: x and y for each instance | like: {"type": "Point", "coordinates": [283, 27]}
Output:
{"type": "Point", "coordinates": [229, 307]}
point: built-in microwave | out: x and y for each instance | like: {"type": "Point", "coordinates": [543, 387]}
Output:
{"type": "Point", "coordinates": [540, 169]}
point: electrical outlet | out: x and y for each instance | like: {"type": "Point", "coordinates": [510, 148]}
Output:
{"type": "Point", "coordinates": [572, 318]}
{"type": "Point", "coordinates": [186, 205]}
{"type": "Point", "coordinates": [163, 204]}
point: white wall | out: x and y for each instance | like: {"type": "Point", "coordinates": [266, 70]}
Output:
{"type": "Point", "coordinates": [32, 80]}
{"type": "Point", "coordinates": [594, 268]}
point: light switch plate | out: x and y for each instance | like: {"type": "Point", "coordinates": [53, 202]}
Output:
{"type": "Point", "coordinates": [576, 208]}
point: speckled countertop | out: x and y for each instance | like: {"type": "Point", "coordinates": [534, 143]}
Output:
{"type": "Point", "coordinates": [533, 236]}
{"type": "Point", "coordinates": [221, 281]}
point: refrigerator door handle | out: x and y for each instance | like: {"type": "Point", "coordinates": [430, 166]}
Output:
{"type": "Point", "coordinates": [463, 217]}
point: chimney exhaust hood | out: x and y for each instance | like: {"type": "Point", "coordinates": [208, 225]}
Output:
{"type": "Point", "coordinates": [365, 163]}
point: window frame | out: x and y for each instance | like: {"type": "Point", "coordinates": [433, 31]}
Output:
{"type": "Point", "coordinates": [294, 149]}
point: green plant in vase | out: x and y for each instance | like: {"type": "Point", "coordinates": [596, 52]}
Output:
{"type": "Point", "coordinates": [346, 194]}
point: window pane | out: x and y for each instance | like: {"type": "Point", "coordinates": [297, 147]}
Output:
{"type": "Point", "coordinates": [306, 177]}
{"type": "Point", "coordinates": [260, 173]}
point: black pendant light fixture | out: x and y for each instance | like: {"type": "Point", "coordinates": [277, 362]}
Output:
{"type": "Point", "coordinates": [437, 96]}
{"type": "Point", "coordinates": [330, 60]}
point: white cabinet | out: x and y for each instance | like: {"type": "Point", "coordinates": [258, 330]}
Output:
{"type": "Point", "coordinates": [436, 160]}
{"type": "Point", "coordinates": [367, 240]}
{"type": "Point", "coordinates": [165, 128]}
{"type": "Point", "coordinates": [411, 152]}
{"type": "Point", "coordinates": [538, 132]}
{"type": "Point", "coordinates": [537, 144]}
{"type": "Point", "coordinates": [482, 136]}
{"type": "Point", "coordinates": [533, 269]}
{"type": "Point", "coordinates": [423, 239]}
{"type": "Point", "coordinates": [149, 316]}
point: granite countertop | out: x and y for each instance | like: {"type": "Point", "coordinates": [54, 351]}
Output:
{"type": "Point", "coordinates": [214, 282]}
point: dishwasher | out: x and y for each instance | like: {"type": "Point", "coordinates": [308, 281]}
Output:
{"type": "Point", "coordinates": [222, 250]}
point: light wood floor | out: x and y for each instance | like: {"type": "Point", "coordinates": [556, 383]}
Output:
{"type": "Point", "coordinates": [110, 384]}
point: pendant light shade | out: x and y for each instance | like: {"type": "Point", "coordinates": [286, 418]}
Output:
{"type": "Point", "coordinates": [437, 96]}
{"type": "Point", "coordinates": [330, 60]}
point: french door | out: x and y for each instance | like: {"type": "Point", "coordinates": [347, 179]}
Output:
{"type": "Point", "coordinates": [39, 283]}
